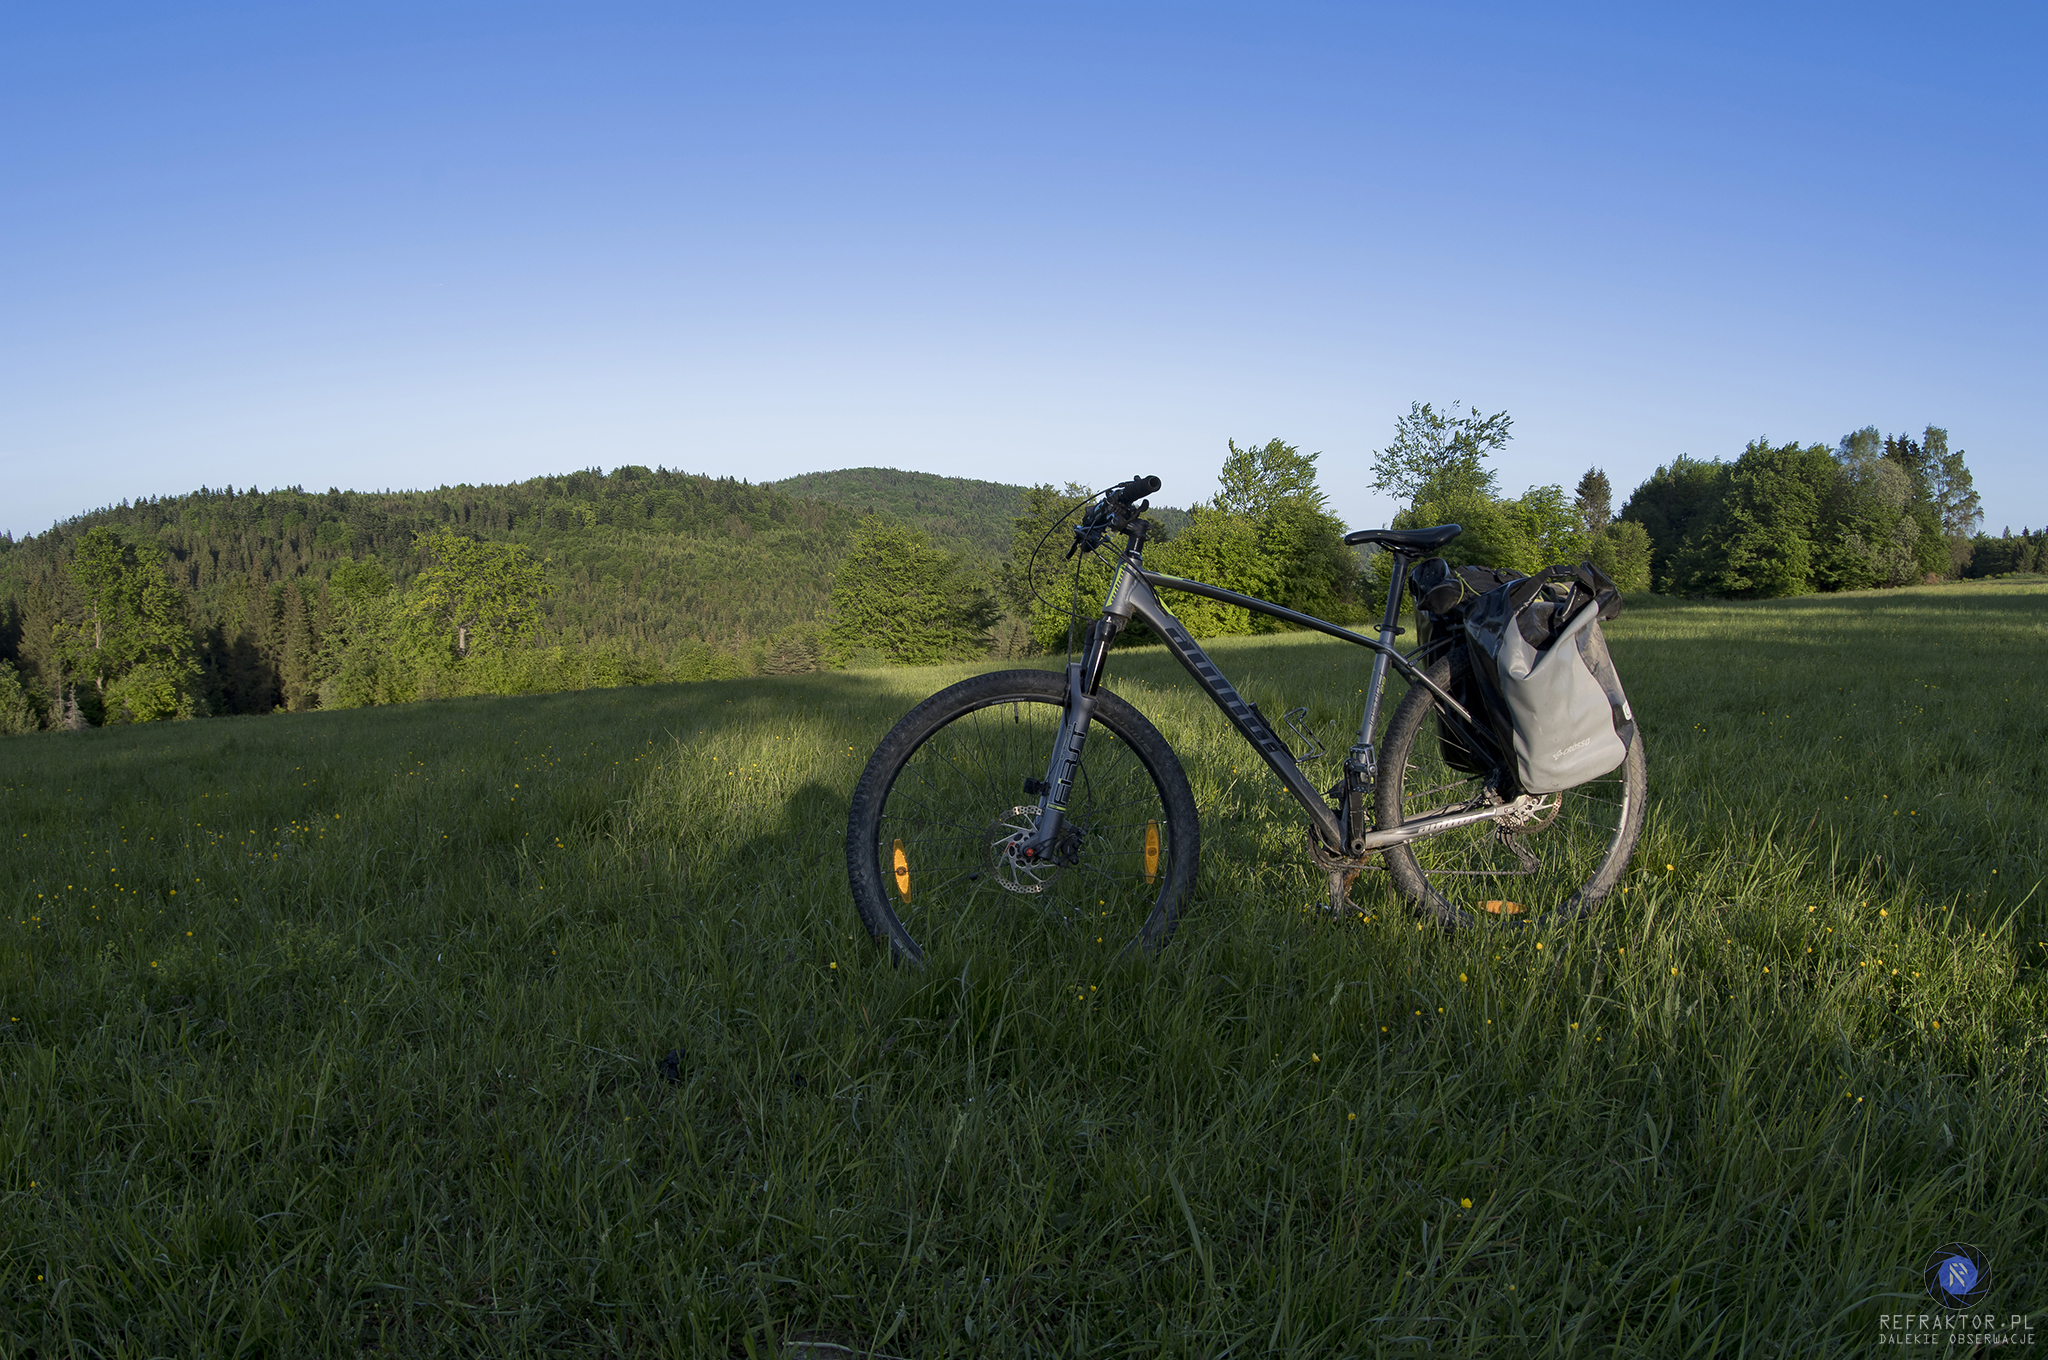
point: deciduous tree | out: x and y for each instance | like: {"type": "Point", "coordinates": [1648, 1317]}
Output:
{"type": "Point", "coordinates": [1257, 479]}
{"type": "Point", "coordinates": [1760, 541]}
{"type": "Point", "coordinates": [1441, 453]}
{"type": "Point", "coordinates": [475, 596]}
{"type": "Point", "coordinates": [131, 639]}
{"type": "Point", "coordinates": [1674, 505]}
{"type": "Point", "coordinates": [900, 596]}
{"type": "Point", "coordinates": [1953, 492]}
{"type": "Point", "coordinates": [1623, 551]}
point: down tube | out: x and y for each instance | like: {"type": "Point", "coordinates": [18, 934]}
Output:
{"type": "Point", "coordinates": [1247, 720]}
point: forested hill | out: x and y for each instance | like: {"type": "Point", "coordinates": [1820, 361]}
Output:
{"type": "Point", "coordinates": [225, 601]}
{"type": "Point", "coordinates": [959, 513]}
{"type": "Point", "coordinates": [649, 557]}
{"type": "Point", "coordinates": [674, 573]}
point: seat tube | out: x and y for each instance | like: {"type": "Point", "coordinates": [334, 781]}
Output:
{"type": "Point", "coordinates": [1360, 768]}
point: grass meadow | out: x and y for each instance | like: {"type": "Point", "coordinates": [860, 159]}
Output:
{"type": "Point", "coordinates": [509, 1026]}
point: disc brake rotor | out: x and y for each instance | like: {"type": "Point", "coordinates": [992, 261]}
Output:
{"type": "Point", "coordinates": [1006, 836]}
{"type": "Point", "coordinates": [1539, 814]}
{"type": "Point", "coordinates": [1012, 870]}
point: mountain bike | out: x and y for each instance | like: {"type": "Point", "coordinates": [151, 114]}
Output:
{"type": "Point", "coordinates": [1025, 797]}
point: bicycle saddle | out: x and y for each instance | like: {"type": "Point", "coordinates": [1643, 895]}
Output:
{"type": "Point", "coordinates": [1406, 540]}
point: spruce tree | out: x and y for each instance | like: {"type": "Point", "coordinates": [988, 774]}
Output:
{"type": "Point", "coordinates": [1594, 500]}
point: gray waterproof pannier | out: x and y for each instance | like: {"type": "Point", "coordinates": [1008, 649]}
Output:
{"type": "Point", "coordinates": [1550, 687]}
{"type": "Point", "coordinates": [1442, 594]}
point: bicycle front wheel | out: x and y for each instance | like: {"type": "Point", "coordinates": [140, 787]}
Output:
{"type": "Point", "coordinates": [1553, 865]}
{"type": "Point", "coordinates": [943, 801]}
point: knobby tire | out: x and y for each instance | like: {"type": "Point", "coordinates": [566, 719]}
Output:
{"type": "Point", "coordinates": [947, 784]}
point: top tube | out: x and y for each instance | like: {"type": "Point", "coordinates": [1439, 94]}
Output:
{"type": "Point", "coordinates": [1409, 671]}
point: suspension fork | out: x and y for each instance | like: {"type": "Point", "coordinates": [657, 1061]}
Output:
{"type": "Point", "coordinates": [1084, 678]}
{"type": "Point", "coordinates": [1361, 763]}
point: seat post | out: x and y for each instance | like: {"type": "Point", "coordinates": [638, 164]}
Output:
{"type": "Point", "coordinates": [1390, 625]}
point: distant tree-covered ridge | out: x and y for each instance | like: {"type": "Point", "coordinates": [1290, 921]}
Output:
{"type": "Point", "coordinates": [958, 514]}
{"type": "Point", "coordinates": [649, 573]}
{"type": "Point", "coordinates": [650, 556]}
{"type": "Point", "coordinates": [223, 602]}
{"type": "Point", "coordinates": [289, 599]}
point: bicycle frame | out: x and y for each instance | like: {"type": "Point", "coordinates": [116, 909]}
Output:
{"type": "Point", "coordinates": [1133, 593]}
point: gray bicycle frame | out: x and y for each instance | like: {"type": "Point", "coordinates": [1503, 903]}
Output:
{"type": "Point", "coordinates": [1132, 594]}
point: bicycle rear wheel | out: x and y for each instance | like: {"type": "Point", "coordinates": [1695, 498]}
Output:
{"type": "Point", "coordinates": [944, 796]}
{"type": "Point", "coordinates": [1551, 866]}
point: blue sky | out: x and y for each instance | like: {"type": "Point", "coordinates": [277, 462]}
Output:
{"type": "Point", "coordinates": [402, 245]}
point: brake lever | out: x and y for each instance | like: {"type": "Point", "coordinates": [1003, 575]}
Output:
{"type": "Point", "coordinates": [1109, 513]}
{"type": "Point", "coordinates": [1087, 534]}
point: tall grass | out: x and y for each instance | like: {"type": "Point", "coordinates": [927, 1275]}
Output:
{"type": "Point", "coordinates": [494, 1026]}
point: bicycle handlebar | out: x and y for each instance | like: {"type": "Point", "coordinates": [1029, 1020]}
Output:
{"type": "Point", "coordinates": [1113, 511]}
{"type": "Point", "coordinates": [1134, 489]}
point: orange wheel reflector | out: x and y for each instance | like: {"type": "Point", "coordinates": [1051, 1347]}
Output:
{"type": "Point", "coordinates": [1151, 851]}
{"type": "Point", "coordinates": [1495, 905]}
{"type": "Point", "coordinates": [903, 871]}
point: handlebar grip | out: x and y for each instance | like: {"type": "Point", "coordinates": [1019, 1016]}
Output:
{"type": "Point", "coordinates": [1143, 486]}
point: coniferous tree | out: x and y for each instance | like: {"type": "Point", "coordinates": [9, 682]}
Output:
{"type": "Point", "coordinates": [36, 650]}
{"type": "Point", "coordinates": [18, 710]}
{"type": "Point", "coordinates": [1594, 500]}
{"type": "Point", "coordinates": [299, 656]}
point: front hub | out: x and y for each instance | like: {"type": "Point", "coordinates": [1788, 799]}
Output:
{"type": "Point", "coordinates": [1018, 871]}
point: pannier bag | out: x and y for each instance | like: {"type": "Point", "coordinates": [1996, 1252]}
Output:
{"type": "Point", "coordinates": [1547, 683]}
{"type": "Point", "coordinates": [1442, 594]}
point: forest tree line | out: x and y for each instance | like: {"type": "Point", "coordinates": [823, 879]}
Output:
{"type": "Point", "coordinates": [223, 602]}
{"type": "Point", "coordinates": [650, 574]}
{"type": "Point", "coordinates": [1872, 511]}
